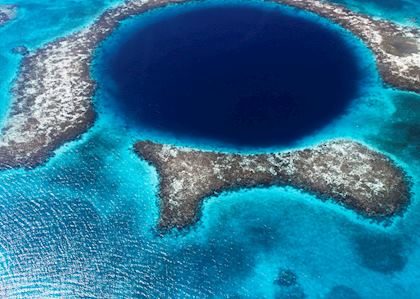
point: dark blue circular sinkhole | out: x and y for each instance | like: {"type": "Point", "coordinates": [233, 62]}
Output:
{"type": "Point", "coordinates": [240, 75]}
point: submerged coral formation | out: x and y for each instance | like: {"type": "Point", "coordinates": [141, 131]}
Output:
{"type": "Point", "coordinates": [7, 13]}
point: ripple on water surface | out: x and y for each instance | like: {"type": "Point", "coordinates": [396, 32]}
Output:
{"type": "Point", "coordinates": [244, 75]}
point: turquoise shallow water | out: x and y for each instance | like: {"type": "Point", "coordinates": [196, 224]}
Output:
{"type": "Point", "coordinates": [401, 11]}
{"type": "Point", "coordinates": [82, 226]}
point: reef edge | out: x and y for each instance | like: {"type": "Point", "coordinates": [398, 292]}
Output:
{"type": "Point", "coordinates": [346, 171]}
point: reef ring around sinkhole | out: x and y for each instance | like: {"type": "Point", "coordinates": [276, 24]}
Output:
{"type": "Point", "coordinates": [246, 75]}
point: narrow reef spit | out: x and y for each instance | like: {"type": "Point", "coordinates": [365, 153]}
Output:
{"type": "Point", "coordinates": [53, 93]}
{"type": "Point", "coordinates": [7, 13]}
{"type": "Point", "coordinates": [343, 170]}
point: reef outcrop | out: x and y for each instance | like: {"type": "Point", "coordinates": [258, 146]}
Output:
{"type": "Point", "coordinates": [52, 95]}
{"type": "Point", "coordinates": [7, 13]}
{"type": "Point", "coordinates": [21, 50]}
{"type": "Point", "coordinates": [343, 170]}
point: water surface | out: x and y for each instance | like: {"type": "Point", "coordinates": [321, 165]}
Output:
{"type": "Point", "coordinates": [82, 226]}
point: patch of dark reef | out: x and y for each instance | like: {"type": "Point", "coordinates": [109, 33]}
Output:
{"type": "Point", "coordinates": [20, 50]}
{"type": "Point", "coordinates": [382, 253]}
{"type": "Point", "coordinates": [244, 75]}
{"type": "Point", "coordinates": [7, 12]}
{"type": "Point", "coordinates": [286, 278]}
{"type": "Point", "coordinates": [342, 292]}
{"type": "Point", "coordinates": [288, 285]}
{"type": "Point", "coordinates": [401, 135]}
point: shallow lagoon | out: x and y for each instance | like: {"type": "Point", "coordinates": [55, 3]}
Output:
{"type": "Point", "coordinates": [82, 225]}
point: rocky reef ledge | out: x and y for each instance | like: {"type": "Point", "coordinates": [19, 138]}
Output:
{"type": "Point", "coordinates": [52, 96]}
{"type": "Point", "coordinates": [343, 170]}
{"type": "Point", "coordinates": [7, 13]}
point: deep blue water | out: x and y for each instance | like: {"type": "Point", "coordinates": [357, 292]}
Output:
{"type": "Point", "coordinates": [82, 226]}
{"type": "Point", "coordinates": [243, 75]}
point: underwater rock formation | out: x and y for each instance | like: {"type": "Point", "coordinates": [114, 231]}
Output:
{"type": "Point", "coordinates": [7, 13]}
{"type": "Point", "coordinates": [286, 278]}
{"type": "Point", "coordinates": [20, 50]}
{"type": "Point", "coordinates": [343, 170]}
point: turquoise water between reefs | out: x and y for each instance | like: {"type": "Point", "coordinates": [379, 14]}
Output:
{"type": "Point", "coordinates": [83, 225]}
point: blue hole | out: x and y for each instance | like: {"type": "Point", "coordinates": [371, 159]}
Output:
{"type": "Point", "coordinates": [241, 75]}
